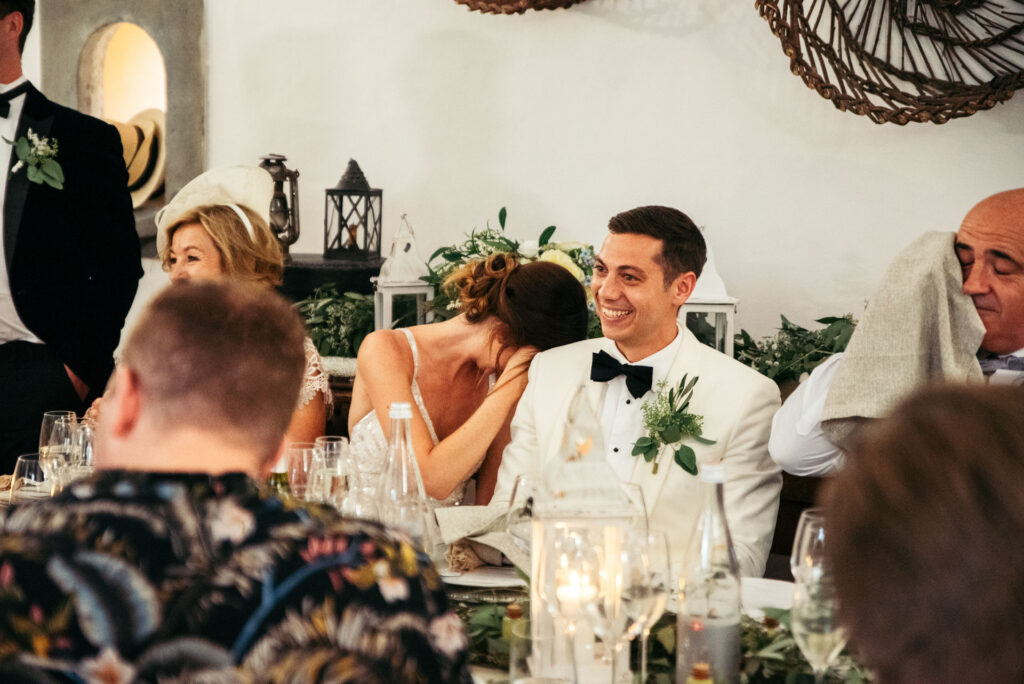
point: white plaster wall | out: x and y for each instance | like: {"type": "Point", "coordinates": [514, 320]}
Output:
{"type": "Point", "coordinates": [568, 117]}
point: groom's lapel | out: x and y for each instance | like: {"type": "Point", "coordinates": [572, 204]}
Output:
{"type": "Point", "coordinates": [37, 117]}
{"type": "Point", "coordinates": [687, 361]}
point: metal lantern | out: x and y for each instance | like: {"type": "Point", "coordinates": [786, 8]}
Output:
{"type": "Point", "coordinates": [710, 313]}
{"type": "Point", "coordinates": [284, 209]}
{"type": "Point", "coordinates": [401, 276]}
{"type": "Point", "coordinates": [352, 215]}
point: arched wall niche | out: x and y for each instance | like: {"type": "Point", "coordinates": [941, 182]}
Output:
{"type": "Point", "coordinates": [71, 29]}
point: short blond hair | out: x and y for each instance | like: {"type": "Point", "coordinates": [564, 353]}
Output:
{"type": "Point", "coordinates": [256, 259]}
{"type": "Point", "coordinates": [224, 356]}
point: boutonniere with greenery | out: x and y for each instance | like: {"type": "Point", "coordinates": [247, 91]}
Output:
{"type": "Point", "coordinates": [39, 156]}
{"type": "Point", "coordinates": [668, 423]}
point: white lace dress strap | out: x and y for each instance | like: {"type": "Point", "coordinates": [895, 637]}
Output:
{"type": "Point", "coordinates": [417, 397]}
{"type": "Point", "coordinates": [315, 380]}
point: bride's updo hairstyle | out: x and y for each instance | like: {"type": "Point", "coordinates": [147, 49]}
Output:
{"type": "Point", "coordinates": [541, 304]}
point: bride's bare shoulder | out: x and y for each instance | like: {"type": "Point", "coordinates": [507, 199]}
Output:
{"type": "Point", "coordinates": [384, 348]}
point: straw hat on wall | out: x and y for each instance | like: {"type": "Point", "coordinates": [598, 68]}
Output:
{"type": "Point", "coordinates": [144, 144]}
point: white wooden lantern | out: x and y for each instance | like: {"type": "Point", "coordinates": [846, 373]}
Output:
{"type": "Point", "coordinates": [710, 313]}
{"type": "Point", "coordinates": [400, 277]}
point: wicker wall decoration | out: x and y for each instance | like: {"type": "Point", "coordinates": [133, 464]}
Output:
{"type": "Point", "coordinates": [899, 61]}
{"type": "Point", "coordinates": [514, 6]}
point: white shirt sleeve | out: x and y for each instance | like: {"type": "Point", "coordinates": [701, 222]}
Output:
{"type": "Point", "coordinates": [797, 443]}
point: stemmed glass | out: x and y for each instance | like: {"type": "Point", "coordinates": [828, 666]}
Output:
{"type": "Point", "coordinates": [46, 427]}
{"type": "Point", "coordinates": [809, 517]}
{"type": "Point", "coordinates": [815, 612]}
{"type": "Point", "coordinates": [29, 481]}
{"type": "Point", "coordinates": [634, 587]}
{"type": "Point", "coordinates": [647, 585]}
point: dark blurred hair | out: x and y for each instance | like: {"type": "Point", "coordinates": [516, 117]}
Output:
{"type": "Point", "coordinates": [27, 9]}
{"type": "Point", "coordinates": [926, 526]}
{"type": "Point", "coordinates": [540, 303]}
{"type": "Point", "coordinates": [682, 245]}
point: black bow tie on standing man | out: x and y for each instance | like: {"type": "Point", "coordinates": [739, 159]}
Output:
{"type": "Point", "coordinates": [5, 98]}
{"type": "Point", "coordinates": [604, 367]}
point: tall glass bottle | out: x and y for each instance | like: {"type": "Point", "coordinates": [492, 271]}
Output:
{"type": "Point", "coordinates": [401, 499]}
{"type": "Point", "coordinates": [708, 622]}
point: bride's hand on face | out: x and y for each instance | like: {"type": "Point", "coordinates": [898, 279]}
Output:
{"type": "Point", "coordinates": [518, 363]}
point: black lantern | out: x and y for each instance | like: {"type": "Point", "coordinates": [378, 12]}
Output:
{"type": "Point", "coordinates": [284, 209]}
{"type": "Point", "coordinates": [352, 215]}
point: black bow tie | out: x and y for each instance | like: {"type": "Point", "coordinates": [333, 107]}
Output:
{"type": "Point", "coordinates": [990, 366]}
{"type": "Point", "coordinates": [604, 367]}
{"type": "Point", "coordinates": [5, 98]}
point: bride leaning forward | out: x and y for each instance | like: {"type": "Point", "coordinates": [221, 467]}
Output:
{"type": "Point", "coordinates": [465, 374]}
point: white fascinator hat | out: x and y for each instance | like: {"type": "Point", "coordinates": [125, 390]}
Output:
{"type": "Point", "coordinates": [234, 186]}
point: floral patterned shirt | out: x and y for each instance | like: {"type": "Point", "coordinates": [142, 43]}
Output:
{"type": "Point", "coordinates": [134, 576]}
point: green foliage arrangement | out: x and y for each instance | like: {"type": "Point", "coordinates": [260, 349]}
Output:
{"type": "Point", "coordinates": [794, 350]}
{"type": "Point", "coordinates": [577, 257]}
{"type": "Point", "coordinates": [337, 323]}
{"type": "Point", "coordinates": [770, 655]}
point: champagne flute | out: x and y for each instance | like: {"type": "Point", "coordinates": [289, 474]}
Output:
{"type": "Point", "coordinates": [813, 518]}
{"type": "Point", "coordinates": [647, 586]}
{"type": "Point", "coordinates": [815, 611]}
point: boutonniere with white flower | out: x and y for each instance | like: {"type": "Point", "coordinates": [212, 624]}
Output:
{"type": "Point", "coordinates": [668, 423]}
{"type": "Point", "coordinates": [39, 156]}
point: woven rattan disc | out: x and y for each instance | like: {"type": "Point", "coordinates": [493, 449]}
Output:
{"type": "Point", "coordinates": [903, 60]}
{"type": "Point", "coordinates": [514, 6]}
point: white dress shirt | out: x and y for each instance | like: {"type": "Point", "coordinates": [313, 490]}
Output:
{"type": "Point", "coordinates": [11, 326]}
{"type": "Point", "coordinates": [798, 444]}
{"type": "Point", "coordinates": [622, 421]}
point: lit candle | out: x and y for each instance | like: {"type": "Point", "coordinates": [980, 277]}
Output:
{"type": "Point", "coordinates": [574, 593]}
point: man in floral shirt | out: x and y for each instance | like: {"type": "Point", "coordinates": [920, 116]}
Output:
{"type": "Point", "coordinates": [173, 564]}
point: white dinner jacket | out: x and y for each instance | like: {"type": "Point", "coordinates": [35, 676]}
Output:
{"type": "Point", "coordinates": [737, 404]}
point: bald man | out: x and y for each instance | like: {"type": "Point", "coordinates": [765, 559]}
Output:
{"type": "Point", "coordinates": [990, 250]}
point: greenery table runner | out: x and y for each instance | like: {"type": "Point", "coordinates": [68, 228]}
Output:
{"type": "Point", "coordinates": [770, 656]}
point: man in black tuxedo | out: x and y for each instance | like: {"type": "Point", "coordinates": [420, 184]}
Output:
{"type": "Point", "coordinates": [70, 263]}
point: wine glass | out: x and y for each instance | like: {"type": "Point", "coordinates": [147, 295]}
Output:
{"type": "Point", "coordinates": [29, 482]}
{"type": "Point", "coordinates": [630, 591]}
{"type": "Point", "coordinates": [647, 585]}
{"type": "Point", "coordinates": [46, 428]}
{"type": "Point", "coordinates": [815, 611]}
{"type": "Point", "coordinates": [813, 518]}
{"type": "Point", "coordinates": [521, 507]}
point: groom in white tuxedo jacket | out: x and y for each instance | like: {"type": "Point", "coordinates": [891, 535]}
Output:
{"type": "Point", "coordinates": [645, 271]}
